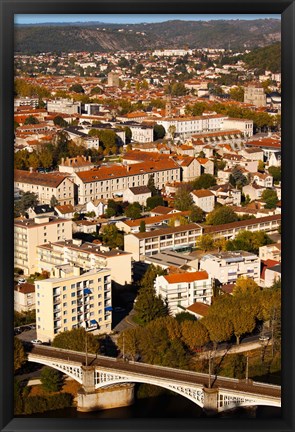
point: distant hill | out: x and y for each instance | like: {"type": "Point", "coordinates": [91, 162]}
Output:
{"type": "Point", "coordinates": [234, 34]}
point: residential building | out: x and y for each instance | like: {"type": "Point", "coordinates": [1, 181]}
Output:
{"type": "Point", "coordinates": [76, 164]}
{"type": "Point", "coordinates": [24, 297]}
{"type": "Point", "coordinates": [65, 211]}
{"type": "Point", "coordinates": [137, 194]}
{"type": "Point", "coordinates": [272, 275]}
{"type": "Point", "coordinates": [111, 181]}
{"type": "Point", "coordinates": [86, 255]}
{"type": "Point", "coordinates": [73, 298]}
{"type": "Point", "coordinates": [227, 267]}
{"type": "Point", "coordinates": [226, 194]}
{"type": "Point", "coordinates": [264, 180]}
{"type": "Point", "coordinates": [254, 191]}
{"type": "Point", "coordinates": [254, 94]}
{"type": "Point", "coordinates": [30, 233]}
{"type": "Point", "coordinates": [180, 290]}
{"type": "Point", "coordinates": [270, 252]}
{"type": "Point", "coordinates": [149, 243]}
{"type": "Point", "coordinates": [113, 79]}
{"type": "Point", "coordinates": [65, 106]}
{"type": "Point", "coordinates": [243, 125]}
{"type": "Point", "coordinates": [98, 206]}
{"type": "Point", "coordinates": [45, 186]}
{"type": "Point", "coordinates": [204, 199]}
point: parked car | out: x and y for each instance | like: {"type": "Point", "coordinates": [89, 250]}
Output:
{"type": "Point", "coordinates": [264, 338]}
{"type": "Point", "coordinates": [119, 309]}
{"type": "Point", "coordinates": [36, 342]}
{"type": "Point", "coordinates": [32, 327]}
{"type": "Point", "coordinates": [21, 281]}
{"type": "Point", "coordinates": [17, 331]}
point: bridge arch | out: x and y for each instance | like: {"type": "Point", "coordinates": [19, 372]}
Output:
{"type": "Point", "coordinates": [74, 372]}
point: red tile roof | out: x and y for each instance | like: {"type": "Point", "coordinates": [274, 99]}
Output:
{"type": "Point", "coordinates": [186, 277]}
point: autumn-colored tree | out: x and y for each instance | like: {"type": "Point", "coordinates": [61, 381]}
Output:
{"type": "Point", "coordinates": [75, 340]}
{"type": "Point", "coordinates": [205, 242]}
{"type": "Point", "coordinates": [51, 379]}
{"type": "Point", "coordinates": [194, 334]}
{"type": "Point", "coordinates": [245, 285]}
{"type": "Point", "coordinates": [242, 321]}
{"type": "Point", "coordinates": [204, 181]}
{"type": "Point", "coordinates": [220, 328]}
{"type": "Point", "coordinates": [221, 215]}
{"type": "Point", "coordinates": [197, 214]}
{"type": "Point", "coordinates": [128, 342]}
{"type": "Point", "coordinates": [19, 356]}
{"type": "Point", "coordinates": [183, 199]}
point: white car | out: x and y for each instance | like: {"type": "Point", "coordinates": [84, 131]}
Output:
{"type": "Point", "coordinates": [36, 342]}
{"type": "Point", "coordinates": [264, 338]}
{"type": "Point", "coordinates": [21, 281]}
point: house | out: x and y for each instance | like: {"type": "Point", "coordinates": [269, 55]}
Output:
{"type": "Point", "coordinates": [226, 194]}
{"type": "Point", "coordinates": [65, 211]}
{"type": "Point", "coordinates": [227, 267]}
{"type": "Point", "coordinates": [180, 290]}
{"type": "Point", "coordinates": [24, 297]}
{"type": "Point", "coordinates": [98, 206]}
{"type": "Point", "coordinates": [161, 210]}
{"type": "Point", "coordinates": [137, 194]}
{"type": "Point", "coordinates": [198, 309]}
{"type": "Point", "coordinates": [270, 273]}
{"type": "Point", "coordinates": [271, 251]}
{"type": "Point", "coordinates": [75, 164]}
{"type": "Point", "coordinates": [204, 199]}
{"type": "Point", "coordinates": [264, 180]}
{"type": "Point", "coordinates": [38, 210]}
{"type": "Point", "coordinates": [254, 191]}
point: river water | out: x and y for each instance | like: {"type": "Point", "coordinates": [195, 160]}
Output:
{"type": "Point", "coordinates": [164, 406]}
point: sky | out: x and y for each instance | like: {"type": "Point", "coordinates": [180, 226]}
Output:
{"type": "Point", "coordinates": [128, 19]}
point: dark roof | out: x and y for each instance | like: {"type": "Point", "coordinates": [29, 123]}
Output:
{"type": "Point", "coordinates": [244, 223]}
{"type": "Point", "coordinates": [44, 208]}
{"type": "Point", "coordinates": [138, 190]}
{"type": "Point", "coordinates": [50, 180]}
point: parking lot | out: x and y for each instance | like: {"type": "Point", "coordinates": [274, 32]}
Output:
{"type": "Point", "coordinates": [27, 334]}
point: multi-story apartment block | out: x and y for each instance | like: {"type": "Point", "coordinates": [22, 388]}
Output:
{"type": "Point", "coordinates": [86, 255]}
{"type": "Point", "coordinates": [243, 125]}
{"type": "Point", "coordinates": [76, 164]}
{"type": "Point", "coordinates": [65, 106]}
{"type": "Point", "coordinates": [73, 298]}
{"type": "Point", "coordinates": [227, 267]}
{"type": "Point", "coordinates": [113, 79]}
{"type": "Point", "coordinates": [271, 252]}
{"type": "Point", "coordinates": [140, 133]}
{"type": "Point", "coordinates": [185, 127]}
{"type": "Point", "coordinates": [181, 290]}
{"type": "Point", "coordinates": [149, 243]}
{"type": "Point", "coordinates": [111, 181]}
{"type": "Point", "coordinates": [45, 186]}
{"type": "Point", "coordinates": [30, 233]}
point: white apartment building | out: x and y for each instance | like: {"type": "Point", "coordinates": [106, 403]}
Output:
{"type": "Point", "coordinates": [227, 267]}
{"type": "Point", "coordinates": [45, 186]}
{"type": "Point", "coordinates": [140, 133]}
{"type": "Point", "coordinates": [86, 255]}
{"type": "Point", "coordinates": [264, 180]}
{"type": "Point", "coordinates": [137, 194]}
{"type": "Point", "coordinates": [30, 233]}
{"type": "Point", "coordinates": [73, 298]}
{"type": "Point", "coordinates": [204, 199]}
{"type": "Point", "coordinates": [185, 127]}
{"type": "Point", "coordinates": [24, 297]}
{"type": "Point", "coordinates": [149, 243]}
{"type": "Point", "coordinates": [271, 252]}
{"type": "Point", "coordinates": [65, 106]}
{"type": "Point", "coordinates": [181, 290]}
{"type": "Point", "coordinates": [111, 181]}
{"type": "Point", "coordinates": [172, 52]}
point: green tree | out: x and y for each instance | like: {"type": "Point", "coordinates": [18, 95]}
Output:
{"type": "Point", "coordinates": [197, 214]}
{"type": "Point", "coordinates": [51, 379]}
{"type": "Point", "coordinates": [31, 120]}
{"type": "Point", "coordinates": [151, 185]}
{"type": "Point", "coordinates": [139, 68]}
{"type": "Point", "coordinates": [204, 181]}
{"type": "Point", "coordinates": [184, 316]}
{"type": "Point", "coordinates": [154, 201]}
{"type": "Point", "coordinates": [242, 321]}
{"type": "Point", "coordinates": [128, 342]}
{"type": "Point", "coordinates": [53, 201]}
{"type": "Point", "coordinates": [142, 226]}
{"type": "Point", "coordinates": [159, 132]}
{"type": "Point", "coordinates": [237, 178]}
{"type": "Point", "coordinates": [221, 215]}
{"type": "Point", "coordinates": [183, 199]}
{"type": "Point", "coordinates": [149, 306]}
{"type": "Point", "coordinates": [237, 93]}
{"type": "Point", "coordinates": [27, 200]}
{"type": "Point", "coordinates": [59, 121]}
{"type": "Point", "coordinates": [205, 242]}
{"type": "Point", "coordinates": [19, 356]}
{"type": "Point", "coordinates": [275, 172]}
{"type": "Point", "coordinates": [245, 285]}
{"type": "Point", "coordinates": [236, 366]}
{"type": "Point", "coordinates": [112, 237]}
{"type": "Point", "coordinates": [77, 88]}
{"type": "Point", "coordinates": [270, 197]}
{"type": "Point", "coordinates": [33, 160]}
{"type": "Point", "coordinates": [248, 241]}
{"type": "Point", "coordinates": [149, 276]}
{"type": "Point", "coordinates": [45, 157]}
{"type": "Point", "coordinates": [128, 134]}
{"type": "Point", "coordinates": [133, 211]}
{"type": "Point", "coordinates": [75, 340]}
{"type": "Point", "coordinates": [261, 166]}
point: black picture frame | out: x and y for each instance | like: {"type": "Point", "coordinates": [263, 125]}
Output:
{"type": "Point", "coordinates": [8, 9]}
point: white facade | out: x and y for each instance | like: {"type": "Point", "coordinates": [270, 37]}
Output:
{"type": "Point", "coordinates": [204, 199]}
{"type": "Point", "coordinates": [227, 267]}
{"type": "Point", "coordinates": [180, 290]}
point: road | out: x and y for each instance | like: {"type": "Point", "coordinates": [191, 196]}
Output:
{"type": "Point", "coordinates": [156, 371]}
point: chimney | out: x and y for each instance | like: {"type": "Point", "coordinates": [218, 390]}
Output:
{"type": "Point", "coordinates": [31, 170]}
{"type": "Point", "coordinates": [128, 168]}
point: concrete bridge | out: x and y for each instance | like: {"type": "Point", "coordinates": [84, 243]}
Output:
{"type": "Point", "coordinates": [102, 375]}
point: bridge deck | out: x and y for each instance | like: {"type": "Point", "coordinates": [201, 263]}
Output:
{"type": "Point", "coordinates": [157, 372]}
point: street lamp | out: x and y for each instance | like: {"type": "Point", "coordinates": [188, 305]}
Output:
{"type": "Point", "coordinates": [209, 383]}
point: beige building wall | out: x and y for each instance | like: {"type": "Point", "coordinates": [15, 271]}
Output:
{"type": "Point", "coordinates": [24, 302]}
{"type": "Point", "coordinates": [73, 299]}
{"type": "Point", "coordinates": [30, 233]}
{"type": "Point", "coordinates": [64, 192]}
